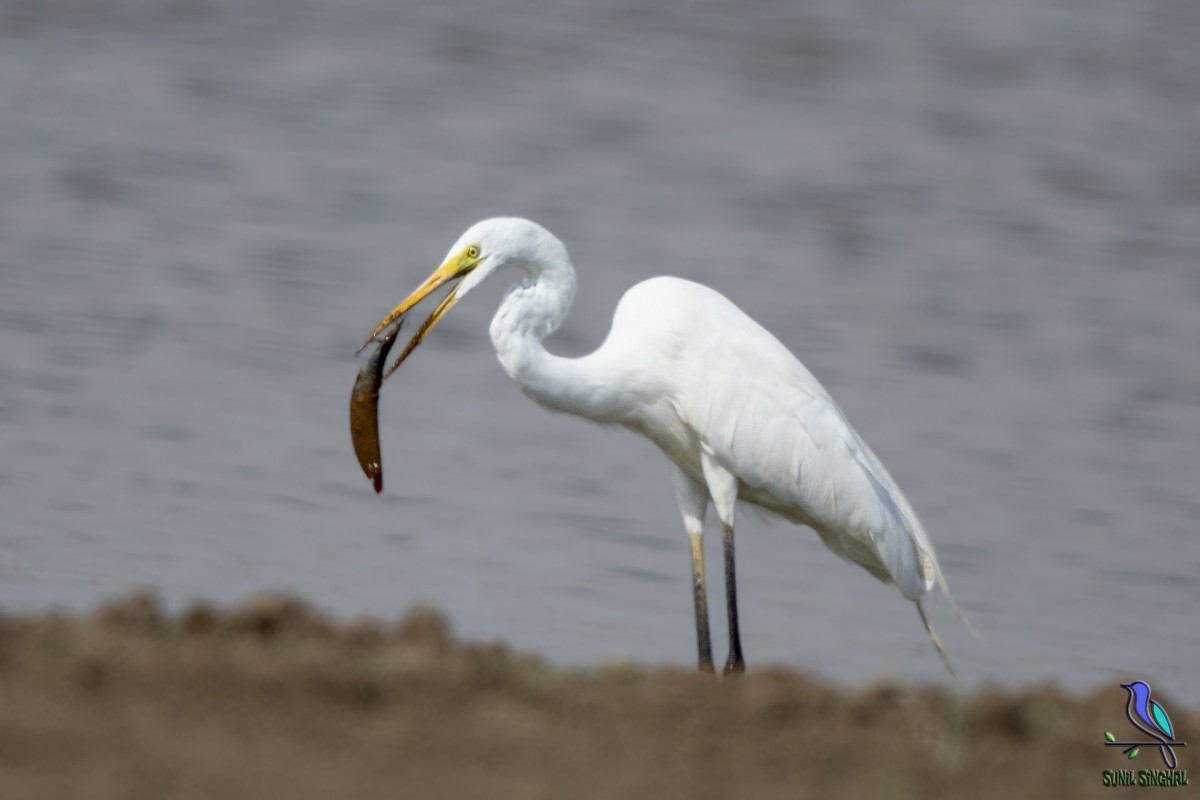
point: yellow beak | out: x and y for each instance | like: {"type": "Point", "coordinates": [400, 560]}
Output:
{"type": "Point", "coordinates": [455, 268]}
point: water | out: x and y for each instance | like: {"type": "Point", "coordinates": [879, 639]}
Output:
{"type": "Point", "coordinates": [977, 223]}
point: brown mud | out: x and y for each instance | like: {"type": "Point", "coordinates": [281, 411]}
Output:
{"type": "Point", "coordinates": [273, 699]}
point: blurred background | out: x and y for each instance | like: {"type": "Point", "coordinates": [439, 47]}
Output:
{"type": "Point", "coordinates": [978, 223]}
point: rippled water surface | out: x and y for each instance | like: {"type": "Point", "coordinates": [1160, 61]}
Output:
{"type": "Point", "coordinates": [977, 223]}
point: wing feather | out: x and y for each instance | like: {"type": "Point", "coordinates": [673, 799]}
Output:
{"type": "Point", "coordinates": [770, 422]}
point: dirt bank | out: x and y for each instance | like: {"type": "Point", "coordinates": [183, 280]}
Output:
{"type": "Point", "coordinates": [272, 699]}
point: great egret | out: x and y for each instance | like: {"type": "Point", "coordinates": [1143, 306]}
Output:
{"type": "Point", "coordinates": [737, 414]}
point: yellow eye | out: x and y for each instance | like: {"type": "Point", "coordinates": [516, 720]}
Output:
{"type": "Point", "coordinates": [473, 251]}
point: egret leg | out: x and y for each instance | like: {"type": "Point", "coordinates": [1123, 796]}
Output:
{"type": "Point", "coordinates": [703, 643]}
{"type": "Point", "coordinates": [723, 489]}
{"type": "Point", "coordinates": [735, 662]}
{"type": "Point", "coordinates": [693, 503]}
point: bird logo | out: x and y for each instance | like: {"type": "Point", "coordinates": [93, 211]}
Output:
{"type": "Point", "coordinates": [1149, 717]}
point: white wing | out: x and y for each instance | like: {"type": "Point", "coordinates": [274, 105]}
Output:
{"type": "Point", "coordinates": [766, 419]}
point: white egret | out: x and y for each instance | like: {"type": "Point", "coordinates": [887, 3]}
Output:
{"type": "Point", "coordinates": [737, 415]}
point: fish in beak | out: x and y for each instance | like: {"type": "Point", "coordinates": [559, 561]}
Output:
{"type": "Point", "coordinates": [364, 398]}
{"type": "Point", "coordinates": [454, 269]}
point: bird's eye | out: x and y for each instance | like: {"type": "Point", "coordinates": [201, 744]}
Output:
{"type": "Point", "coordinates": [473, 251]}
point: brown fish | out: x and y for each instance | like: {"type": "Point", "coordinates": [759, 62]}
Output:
{"type": "Point", "coordinates": [364, 411]}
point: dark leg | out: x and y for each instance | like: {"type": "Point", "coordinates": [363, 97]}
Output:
{"type": "Point", "coordinates": [735, 663]}
{"type": "Point", "coordinates": [701, 597]}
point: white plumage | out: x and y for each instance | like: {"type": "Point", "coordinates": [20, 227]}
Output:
{"type": "Point", "coordinates": [736, 413]}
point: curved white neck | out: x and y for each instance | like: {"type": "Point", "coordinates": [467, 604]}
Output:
{"type": "Point", "coordinates": [532, 309]}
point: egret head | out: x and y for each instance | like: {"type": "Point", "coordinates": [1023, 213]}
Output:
{"type": "Point", "coordinates": [484, 248]}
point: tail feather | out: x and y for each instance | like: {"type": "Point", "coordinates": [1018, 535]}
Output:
{"type": "Point", "coordinates": [937, 643]}
{"type": "Point", "coordinates": [941, 580]}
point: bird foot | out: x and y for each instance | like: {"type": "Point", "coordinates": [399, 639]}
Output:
{"type": "Point", "coordinates": [734, 666]}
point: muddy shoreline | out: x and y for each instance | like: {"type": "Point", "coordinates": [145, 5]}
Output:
{"type": "Point", "coordinates": [274, 699]}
